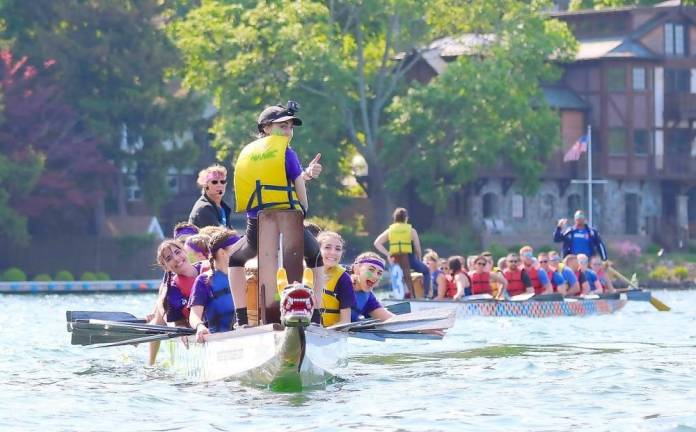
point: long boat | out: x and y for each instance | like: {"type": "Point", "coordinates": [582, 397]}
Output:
{"type": "Point", "coordinates": [535, 307]}
{"type": "Point", "coordinates": [273, 356]}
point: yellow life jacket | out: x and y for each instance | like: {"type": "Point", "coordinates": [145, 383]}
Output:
{"type": "Point", "coordinates": [330, 312]}
{"type": "Point", "coordinates": [495, 285]}
{"type": "Point", "coordinates": [400, 238]}
{"type": "Point", "coordinates": [260, 180]}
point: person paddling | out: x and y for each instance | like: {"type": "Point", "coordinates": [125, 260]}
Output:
{"type": "Point", "coordinates": [339, 296]}
{"type": "Point", "coordinates": [211, 302]}
{"type": "Point", "coordinates": [268, 175]}
{"type": "Point", "coordinates": [458, 283]}
{"type": "Point", "coordinates": [482, 279]}
{"type": "Point", "coordinates": [539, 278]}
{"type": "Point", "coordinates": [518, 281]}
{"type": "Point", "coordinates": [367, 271]}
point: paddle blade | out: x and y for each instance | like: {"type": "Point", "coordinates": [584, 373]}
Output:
{"type": "Point", "coordinates": [399, 308]}
{"type": "Point", "coordinates": [72, 316]}
{"type": "Point", "coordinates": [308, 278]}
{"type": "Point", "coordinates": [659, 305]}
{"type": "Point", "coordinates": [281, 279]}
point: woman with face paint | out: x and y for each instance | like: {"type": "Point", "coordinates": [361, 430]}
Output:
{"type": "Point", "coordinates": [367, 271]}
{"type": "Point", "coordinates": [339, 297]}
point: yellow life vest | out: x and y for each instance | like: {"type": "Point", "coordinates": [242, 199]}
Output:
{"type": "Point", "coordinates": [260, 180]}
{"type": "Point", "coordinates": [495, 285]}
{"type": "Point", "coordinates": [400, 238]}
{"type": "Point", "coordinates": [330, 312]}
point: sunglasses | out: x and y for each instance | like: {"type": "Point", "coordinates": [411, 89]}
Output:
{"type": "Point", "coordinates": [216, 181]}
{"type": "Point", "coordinates": [543, 262]}
{"type": "Point", "coordinates": [513, 261]}
{"type": "Point", "coordinates": [481, 263]}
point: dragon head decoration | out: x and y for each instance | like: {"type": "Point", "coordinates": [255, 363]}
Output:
{"type": "Point", "coordinates": [296, 299]}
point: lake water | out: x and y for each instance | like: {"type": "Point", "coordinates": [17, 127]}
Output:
{"type": "Point", "coordinates": [630, 371]}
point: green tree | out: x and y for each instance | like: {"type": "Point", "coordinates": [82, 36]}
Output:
{"type": "Point", "coordinates": [339, 58]}
{"type": "Point", "coordinates": [113, 61]}
{"type": "Point", "coordinates": [487, 107]}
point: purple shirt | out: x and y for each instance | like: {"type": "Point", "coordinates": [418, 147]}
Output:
{"type": "Point", "coordinates": [365, 302]}
{"type": "Point", "coordinates": [344, 291]}
{"type": "Point", "coordinates": [293, 169]}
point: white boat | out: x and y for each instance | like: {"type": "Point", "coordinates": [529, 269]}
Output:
{"type": "Point", "coordinates": [271, 356]}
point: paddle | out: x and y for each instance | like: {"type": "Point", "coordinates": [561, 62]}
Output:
{"type": "Point", "coordinates": [657, 304]}
{"type": "Point", "coordinates": [430, 319]}
{"type": "Point", "coordinates": [101, 315]}
{"type": "Point", "coordinates": [100, 331]}
{"type": "Point", "coordinates": [399, 308]}
{"type": "Point", "coordinates": [140, 340]}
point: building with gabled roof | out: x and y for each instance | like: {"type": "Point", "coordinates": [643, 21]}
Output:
{"type": "Point", "coordinates": [633, 81]}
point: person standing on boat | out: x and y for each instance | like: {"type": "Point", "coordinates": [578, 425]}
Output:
{"type": "Point", "coordinates": [580, 238]}
{"type": "Point", "coordinates": [268, 175]}
{"type": "Point", "coordinates": [367, 271]}
{"type": "Point", "coordinates": [539, 278]}
{"type": "Point", "coordinates": [550, 266]}
{"type": "Point", "coordinates": [518, 281]}
{"type": "Point", "coordinates": [339, 296]}
{"type": "Point", "coordinates": [403, 239]}
{"type": "Point", "coordinates": [211, 302]}
{"type": "Point", "coordinates": [210, 209]}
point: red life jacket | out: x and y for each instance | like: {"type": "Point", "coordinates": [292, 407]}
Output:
{"type": "Point", "coordinates": [481, 283]}
{"type": "Point", "coordinates": [515, 284]}
{"type": "Point", "coordinates": [451, 286]}
{"type": "Point", "coordinates": [534, 276]}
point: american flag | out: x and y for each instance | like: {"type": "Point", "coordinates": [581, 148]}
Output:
{"type": "Point", "coordinates": [576, 150]}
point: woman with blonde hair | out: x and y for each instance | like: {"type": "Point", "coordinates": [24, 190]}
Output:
{"type": "Point", "coordinates": [210, 209]}
{"type": "Point", "coordinates": [339, 297]}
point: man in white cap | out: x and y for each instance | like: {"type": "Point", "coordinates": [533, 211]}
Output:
{"type": "Point", "coordinates": [579, 238]}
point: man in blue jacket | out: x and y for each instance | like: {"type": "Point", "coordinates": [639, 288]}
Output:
{"type": "Point", "coordinates": [580, 238]}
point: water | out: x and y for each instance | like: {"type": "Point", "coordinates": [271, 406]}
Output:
{"type": "Point", "coordinates": [631, 371]}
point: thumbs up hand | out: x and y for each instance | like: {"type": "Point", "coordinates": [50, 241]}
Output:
{"type": "Point", "coordinates": [314, 168]}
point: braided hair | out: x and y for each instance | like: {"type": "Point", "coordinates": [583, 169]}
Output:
{"type": "Point", "coordinates": [214, 245]}
{"type": "Point", "coordinates": [168, 276]}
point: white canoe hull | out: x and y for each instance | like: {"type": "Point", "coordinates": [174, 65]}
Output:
{"type": "Point", "coordinates": [265, 356]}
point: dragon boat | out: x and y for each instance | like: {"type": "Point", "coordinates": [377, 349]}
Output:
{"type": "Point", "coordinates": [542, 306]}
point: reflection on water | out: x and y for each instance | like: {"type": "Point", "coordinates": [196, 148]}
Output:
{"type": "Point", "coordinates": [629, 371]}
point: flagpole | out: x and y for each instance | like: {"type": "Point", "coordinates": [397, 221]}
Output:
{"type": "Point", "coordinates": [589, 172]}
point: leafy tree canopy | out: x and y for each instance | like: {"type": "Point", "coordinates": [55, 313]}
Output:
{"type": "Point", "coordinates": [339, 58]}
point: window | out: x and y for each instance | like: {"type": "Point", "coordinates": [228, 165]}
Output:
{"type": "Point", "coordinates": [133, 191]}
{"type": "Point", "coordinates": [616, 79]}
{"type": "Point", "coordinates": [675, 40]}
{"type": "Point", "coordinates": [641, 142]}
{"type": "Point", "coordinates": [639, 79]}
{"type": "Point", "coordinates": [548, 204]}
{"type": "Point", "coordinates": [617, 141]}
{"type": "Point", "coordinates": [490, 205]}
{"type": "Point", "coordinates": [679, 143]}
{"type": "Point", "coordinates": [677, 80]}
{"type": "Point", "coordinates": [517, 206]}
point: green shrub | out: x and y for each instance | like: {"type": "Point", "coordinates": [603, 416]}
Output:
{"type": "Point", "coordinates": [64, 276]}
{"type": "Point", "coordinates": [681, 273]}
{"type": "Point", "coordinates": [660, 273]}
{"type": "Point", "coordinates": [546, 248]}
{"type": "Point", "coordinates": [102, 276]}
{"type": "Point", "coordinates": [42, 277]}
{"type": "Point", "coordinates": [88, 276]}
{"type": "Point", "coordinates": [498, 251]}
{"type": "Point", "coordinates": [13, 274]}
{"type": "Point", "coordinates": [653, 249]}
{"type": "Point", "coordinates": [514, 248]}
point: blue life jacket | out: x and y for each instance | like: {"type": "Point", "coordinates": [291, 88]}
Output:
{"type": "Point", "coordinates": [361, 298]}
{"type": "Point", "coordinates": [219, 313]}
